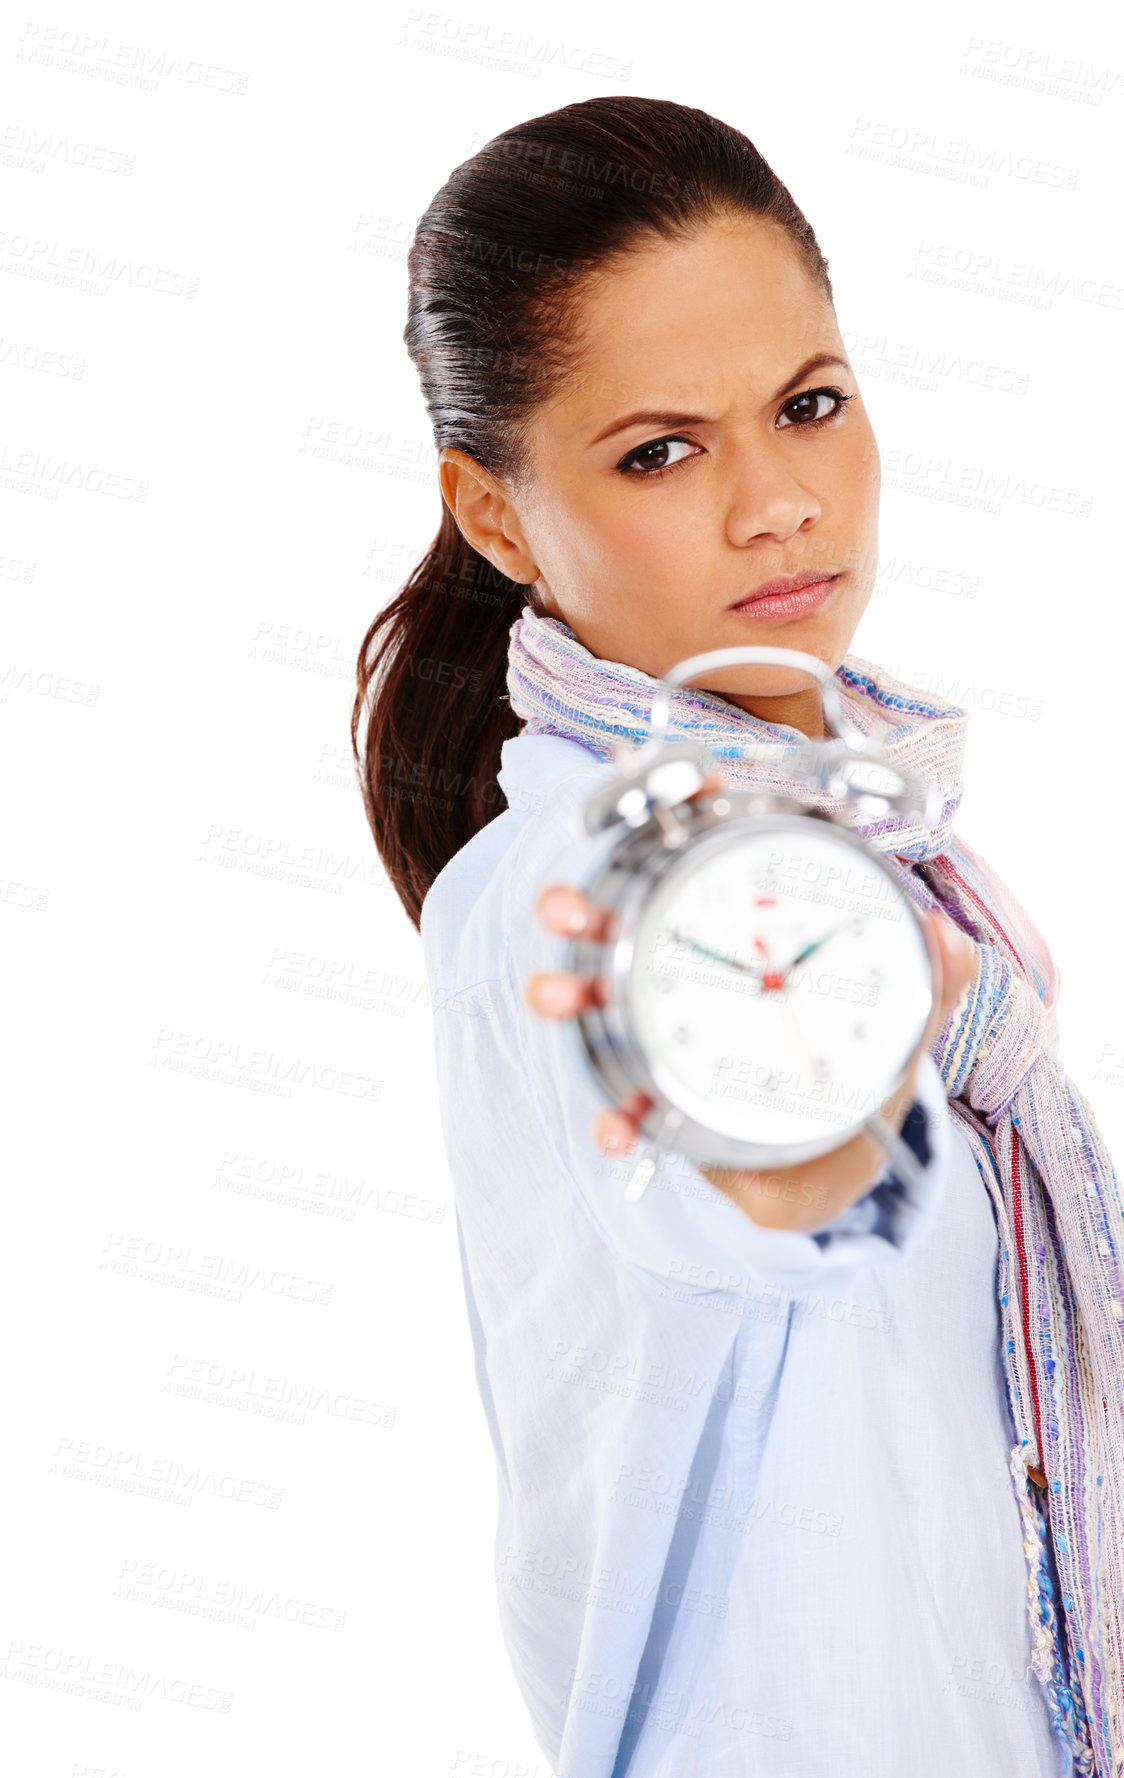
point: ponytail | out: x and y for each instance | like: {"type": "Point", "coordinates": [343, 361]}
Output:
{"type": "Point", "coordinates": [432, 685]}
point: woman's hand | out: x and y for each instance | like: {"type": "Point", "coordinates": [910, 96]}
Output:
{"type": "Point", "coordinates": [801, 1197]}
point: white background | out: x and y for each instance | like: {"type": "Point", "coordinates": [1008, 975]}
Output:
{"type": "Point", "coordinates": [185, 865]}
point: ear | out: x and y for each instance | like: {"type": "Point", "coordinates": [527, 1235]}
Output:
{"type": "Point", "coordinates": [485, 516]}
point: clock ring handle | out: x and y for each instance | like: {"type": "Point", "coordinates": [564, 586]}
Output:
{"type": "Point", "coordinates": [695, 664]}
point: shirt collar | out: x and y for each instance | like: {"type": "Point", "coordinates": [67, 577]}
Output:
{"type": "Point", "coordinates": [532, 762]}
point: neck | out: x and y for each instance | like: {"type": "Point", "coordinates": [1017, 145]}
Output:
{"type": "Point", "coordinates": [801, 710]}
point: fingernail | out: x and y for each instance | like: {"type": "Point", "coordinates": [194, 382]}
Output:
{"type": "Point", "coordinates": [553, 993]}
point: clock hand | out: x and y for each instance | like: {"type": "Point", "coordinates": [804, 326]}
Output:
{"type": "Point", "coordinates": [809, 950]}
{"type": "Point", "coordinates": [776, 979]}
{"type": "Point", "coordinates": [763, 972]}
{"type": "Point", "coordinates": [773, 977]}
{"type": "Point", "coordinates": [769, 978]}
{"type": "Point", "coordinates": [817, 1073]}
{"type": "Point", "coordinates": [753, 969]}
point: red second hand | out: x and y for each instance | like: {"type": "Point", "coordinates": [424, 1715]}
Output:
{"type": "Point", "coordinates": [771, 978]}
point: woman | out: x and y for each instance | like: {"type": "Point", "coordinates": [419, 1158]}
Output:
{"type": "Point", "coordinates": [810, 1473]}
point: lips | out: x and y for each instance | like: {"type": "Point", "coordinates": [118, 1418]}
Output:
{"type": "Point", "coordinates": [786, 583]}
{"type": "Point", "coordinates": [790, 595]}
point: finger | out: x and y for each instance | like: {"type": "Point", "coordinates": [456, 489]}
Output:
{"type": "Point", "coordinates": [710, 786]}
{"type": "Point", "coordinates": [957, 961]}
{"type": "Point", "coordinates": [571, 914]}
{"type": "Point", "coordinates": [555, 995]}
{"type": "Point", "coordinates": [614, 1132]}
{"type": "Point", "coordinates": [956, 958]}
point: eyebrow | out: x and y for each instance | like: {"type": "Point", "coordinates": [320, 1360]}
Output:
{"type": "Point", "coordinates": [665, 417]}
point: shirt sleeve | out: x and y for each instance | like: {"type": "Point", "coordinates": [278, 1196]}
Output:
{"type": "Point", "coordinates": [683, 1230]}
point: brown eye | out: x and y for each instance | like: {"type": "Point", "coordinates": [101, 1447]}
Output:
{"type": "Point", "coordinates": [814, 407]}
{"type": "Point", "coordinates": [657, 454]}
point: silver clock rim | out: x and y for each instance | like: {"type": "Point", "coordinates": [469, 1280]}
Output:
{"type": "Point", "coordinates": [622, 879]}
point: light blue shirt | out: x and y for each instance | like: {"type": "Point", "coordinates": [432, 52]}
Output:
{"type": "Point", "coordinates": [755, 1511]}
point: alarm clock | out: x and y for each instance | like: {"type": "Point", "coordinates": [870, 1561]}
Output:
{"type": "Point", "coordinates": [765, 980]}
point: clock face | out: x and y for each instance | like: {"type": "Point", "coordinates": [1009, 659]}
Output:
{"type": "Point", "coordinates": [779, 983]}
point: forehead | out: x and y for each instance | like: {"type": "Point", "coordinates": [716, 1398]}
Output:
{"type": "Point", "coordinates": [727, 313]}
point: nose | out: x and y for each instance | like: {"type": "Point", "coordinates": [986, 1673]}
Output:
{"type": "Point", "coordinates": [765, 498]}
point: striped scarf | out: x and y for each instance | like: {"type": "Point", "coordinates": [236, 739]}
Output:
{"type": "Point", "coordinates": [1052, 1185]}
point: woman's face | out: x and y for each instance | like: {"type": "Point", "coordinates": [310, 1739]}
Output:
{"type": "Point", "coordinates": [711, 440]}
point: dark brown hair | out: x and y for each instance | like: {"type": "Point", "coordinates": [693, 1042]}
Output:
{"type": "Point", "coordinates": [494, 268]}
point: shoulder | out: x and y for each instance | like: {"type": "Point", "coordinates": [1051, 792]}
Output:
{"type": "Point", "coordinates": [467, 913]}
